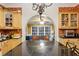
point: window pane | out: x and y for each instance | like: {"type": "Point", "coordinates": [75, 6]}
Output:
{"type": "Point", "coordinates": [47, 30]}
{"type": "Point", "coordinates": [41, 31]}
{"type": "Point", "coordinates": [41, 34]}
{"type": "Point", "coordinates": [34, 30]}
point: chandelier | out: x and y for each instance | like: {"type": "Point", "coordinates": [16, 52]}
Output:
{"type": "Point", "coordinates": [40, 8]}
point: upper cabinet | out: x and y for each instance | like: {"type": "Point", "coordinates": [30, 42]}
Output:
{"type": "Point", "coordinates": [64, 20]}
{"type": "Point", "coordinates": [69, 17]}
{"type": "Point", "coordinates": [68, 20]}
{"type": "Point", "coordinates": [10, 17]}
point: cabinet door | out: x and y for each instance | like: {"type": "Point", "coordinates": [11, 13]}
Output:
{"type": "Point", "coordinates": [17, 20]}
{"type": "Point", "coordinates": [64, 20]}
{"type": "Point", "coordinates": [73, 20]}
{"type": "Point", "coordinates": [2, 23]}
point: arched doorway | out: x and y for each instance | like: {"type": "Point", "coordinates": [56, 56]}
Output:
{"type": "Point", "coordinates": [40, 29]}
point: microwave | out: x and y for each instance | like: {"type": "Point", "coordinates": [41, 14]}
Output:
{"type": "Point", "coordinates": [69, 33]}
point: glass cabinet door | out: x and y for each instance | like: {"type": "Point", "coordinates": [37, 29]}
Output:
{"type": "Point", "coordinates": [8, 19]}
{"type": "Point", "coordinates": [64, 20]}
{"type": "Point", "coordinates": [73, 20]}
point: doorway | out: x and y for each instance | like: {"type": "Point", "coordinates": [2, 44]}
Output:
{"type": "Point", "coordinates": [40, 29]}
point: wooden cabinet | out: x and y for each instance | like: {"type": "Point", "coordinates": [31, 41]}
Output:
{"type": "Point", "coordinates": [17, 20]}
{"type": "Point", "coordinates": [10, 18]}
{"type": "Point", "coordinates": [69, 22]}
{"type": "Point", "coordinates": [73, 20]}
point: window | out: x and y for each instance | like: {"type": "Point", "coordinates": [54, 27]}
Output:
{"type": "Point", "coordinates": [8, 19]}
{"type": "Point", "coordinates": [34, 30]}
{"type": "Point", "coordinates": [47, 30]}
{"type": "Point", "coordinates": [40, 31]}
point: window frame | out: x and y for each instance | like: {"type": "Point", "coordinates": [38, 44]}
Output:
{"type": "Point", "coordinates": [42, 31]}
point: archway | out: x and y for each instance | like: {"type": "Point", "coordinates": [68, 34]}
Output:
{"type": "Point", "coordinates": [40, 29]}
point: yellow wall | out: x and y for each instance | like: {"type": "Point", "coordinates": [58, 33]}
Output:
{"type": "Point", "coordinates": [29, 29]}
{"type": "Point", "coordinates": [52, 28]}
